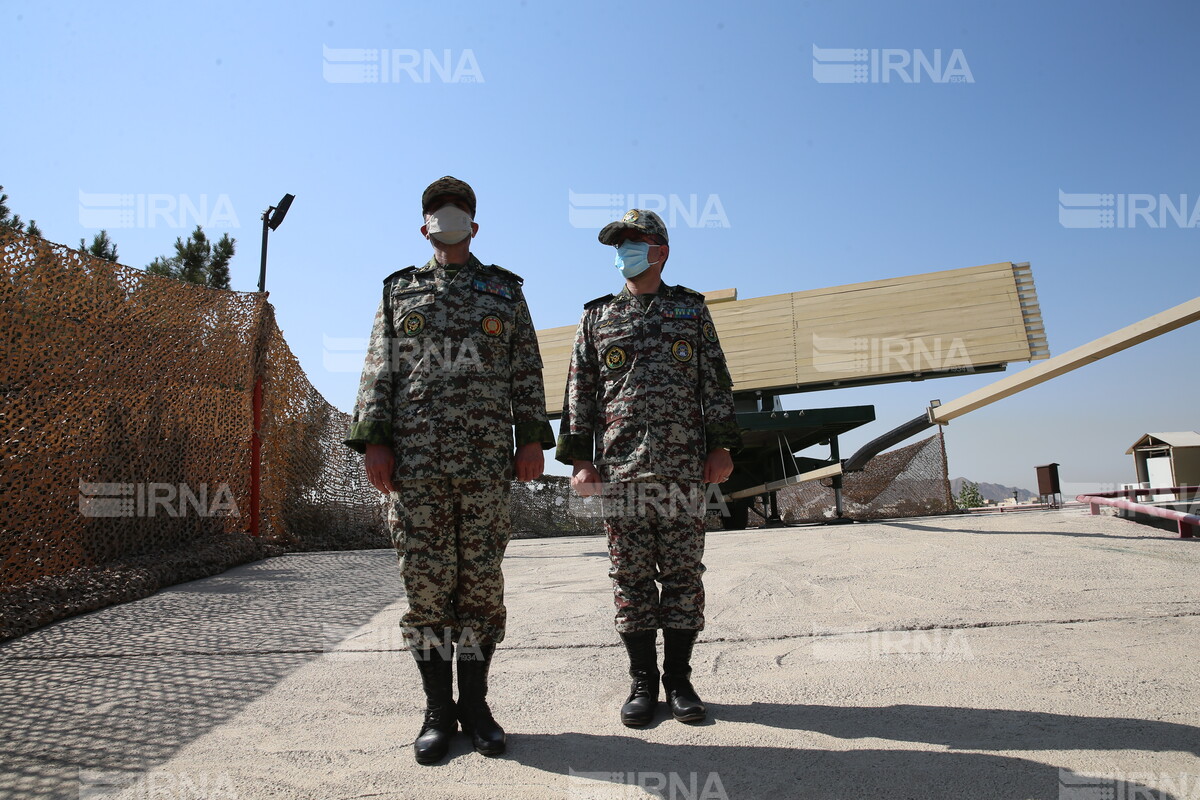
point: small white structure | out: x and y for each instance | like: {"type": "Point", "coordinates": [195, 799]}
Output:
{"type": "Point", "coordinates": [1167, 459]}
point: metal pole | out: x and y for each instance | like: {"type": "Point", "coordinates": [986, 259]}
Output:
{"type": "Point", "coordinates": [262, 266]}
{"type": "Point", "coordinates": [256, 458]}
{"type": "Point", "coordinates": [835, 457]}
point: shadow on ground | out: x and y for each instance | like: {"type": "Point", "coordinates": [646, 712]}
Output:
{"type": "Point", "coordinates": [1148, 534]}
{"type": "Point", "coordinates": [973, 728]}
{"type": "Point", "coordinates": [611, 763]}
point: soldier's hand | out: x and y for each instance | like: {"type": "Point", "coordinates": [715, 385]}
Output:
{"type": "Point", "coordinates": [585, 480]}
{"type": "Point", "coordinates": [529, 462]}
{"type": "Point", "coordinates": [718, 466]}
{"type": "Point", "coordinates": [380, 462]}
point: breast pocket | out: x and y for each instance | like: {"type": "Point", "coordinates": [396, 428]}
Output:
{"type": "Point", "coordinates": [411, 313]}
{"type": "Point", "coordinates": [622, 430]}
{"type": "Point", "coordinates": [491, 336]}
{"type": "Point", "coordinates": [678, 345]}
{"type": "Point", "coordinates": [412, 352]}
{"type": "Point", "coordinates": [615, 352]}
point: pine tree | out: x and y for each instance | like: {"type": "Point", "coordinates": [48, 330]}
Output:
{"type": "Point", "coordinates": [198, 260]}
{"type": "Point", "coordinates": [101, 247]}
{"type": "Point", "coordinates": [218, 267]}
{"type": "Point", "coordinates": [6, 218]}
{"type": "Point", "coordinates": [969, 496]}
{"type": "Point", "coordinates": [10, 220]}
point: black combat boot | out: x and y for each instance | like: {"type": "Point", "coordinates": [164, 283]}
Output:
{"type": "Point", "coordinates": [685, 704]}
{"type": "Point", "coordinates": [473, 712]}
{"type": "Point", "coordinates": [638, 710]}
{"type": "Point", "coordinates": [437, 678]}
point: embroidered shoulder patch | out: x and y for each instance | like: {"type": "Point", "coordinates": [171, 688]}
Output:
{"type": "Point", "coordinates": [681, 312]}
{"type": "Point", "coordinates": [493, 286]}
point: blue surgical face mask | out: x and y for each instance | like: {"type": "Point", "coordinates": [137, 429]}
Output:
{"type": "Point", "coordinates": [632, 258]}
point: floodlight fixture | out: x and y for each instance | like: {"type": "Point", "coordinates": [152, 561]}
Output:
{"type": "Point", "coordinates": [281, 211]}
{"type": "Point", "coordinates": [272, 218]}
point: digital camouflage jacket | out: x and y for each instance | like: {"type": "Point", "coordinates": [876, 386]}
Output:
{"type": "Point", "coordinates": [452, 365]}
{"type": "Point", "coordinates": [648, 391]}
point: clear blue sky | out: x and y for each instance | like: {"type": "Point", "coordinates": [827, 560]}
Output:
{"type": "Point", "coordinates": [820, 183]}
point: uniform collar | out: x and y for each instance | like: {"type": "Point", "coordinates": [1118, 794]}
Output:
{"type": "Point", "coordinates": [472, 263]}
{"type": "Point", "coordinates": [664, 290]}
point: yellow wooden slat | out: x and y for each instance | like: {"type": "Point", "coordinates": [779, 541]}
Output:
{"type": "Point", "coordinates": [1169, 320]}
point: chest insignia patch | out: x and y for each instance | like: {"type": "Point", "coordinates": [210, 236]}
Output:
{"type": "Point", "coordinates": [614, 358]}
{"type": "Point", "coordinates": [414, 323]}
{"type": "Point", "coordinates": [682, 350]}
{"type": "Point", "coordinates": [492, 326]}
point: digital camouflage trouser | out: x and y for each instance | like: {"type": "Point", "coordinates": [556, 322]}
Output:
{"type": "Point", "coordinates": [656, 533]}
{"type": "Point", "coordinates": [450, 534]}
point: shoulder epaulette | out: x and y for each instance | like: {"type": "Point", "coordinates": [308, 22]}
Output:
{"type": "Point", "coordinates": [512, 276]}
{"type": "Point", "coordinates": [686, 290]}
{"type": "Point", "coordinates": [387, 292]}
{"type": "Point", "coordinates": [599, 301]}
{"type": "Point", "coordinates": [397, 273]}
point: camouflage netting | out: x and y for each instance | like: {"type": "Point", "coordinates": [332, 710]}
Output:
{"type": "Point", "coordinates": [910, 481]}
{"type": "Point", "coordinates": [122, 388]}
{"type": "Point", "coordinates": [544, 508]}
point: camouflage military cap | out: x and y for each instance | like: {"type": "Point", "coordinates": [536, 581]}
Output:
{"type": "Point", "coordinates": [448, 185]}
{"type": "Point", "coordinates": [635, 219]}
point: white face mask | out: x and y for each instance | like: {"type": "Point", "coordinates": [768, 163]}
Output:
{"type": "Point", "coordinates": [449, 224]}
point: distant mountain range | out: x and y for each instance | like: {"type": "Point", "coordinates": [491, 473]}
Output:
{"type": "Point", "coordinates": [993, 491]}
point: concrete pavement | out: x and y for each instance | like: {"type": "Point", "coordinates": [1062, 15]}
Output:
{"type": "Point", "coordinates": [1027, 655]}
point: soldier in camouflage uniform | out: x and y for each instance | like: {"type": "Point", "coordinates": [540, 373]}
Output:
{"type": "Point", "coordinates": [647, 421]}
{"type": "Point", "coordinates": [452, 368]}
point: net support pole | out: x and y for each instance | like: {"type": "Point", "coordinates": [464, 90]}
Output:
{"type": "Point", "coordinates": [835, 457]}
{"type": "Point", "coordinates": [255, 456]}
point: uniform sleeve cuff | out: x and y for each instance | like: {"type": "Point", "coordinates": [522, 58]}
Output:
{"type": "Point", "coordinates": [537, 431]}
{"type": "Point", "coordinates": [725, 434]}
{"type": "Point", "coordinates": [368, 432]}
{"type": "Point", "coordinates": [574, 447]}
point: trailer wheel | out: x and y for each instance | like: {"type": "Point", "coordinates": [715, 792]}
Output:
{"type": "Point", "coordinates": [739, 515]}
